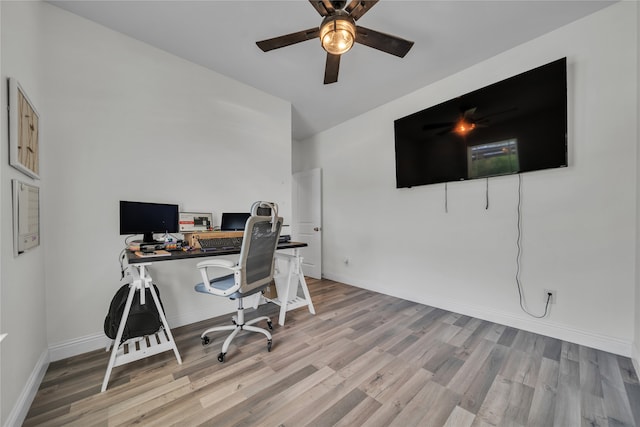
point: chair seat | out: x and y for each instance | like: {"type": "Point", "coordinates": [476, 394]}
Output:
{"type": "Point", "coordinates": [222, 284]}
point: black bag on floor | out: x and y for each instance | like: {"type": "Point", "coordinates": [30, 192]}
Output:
{"type": "Point", "coordinates": [143, 319]}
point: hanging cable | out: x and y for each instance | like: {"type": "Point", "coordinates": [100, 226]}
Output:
{"type": "Point", "coordinates": [123, 256]}
{"type": "Point", "coordinates": [486, 207]}
{"type": "Point", "coordinates": [446, 199]}
{"type": "Point", "coordinates": [519, 252]}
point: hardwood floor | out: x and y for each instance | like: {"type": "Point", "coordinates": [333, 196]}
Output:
{"type": "Point", "coordinates": [364, 359]}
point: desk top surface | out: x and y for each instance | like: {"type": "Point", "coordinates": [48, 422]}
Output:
{"type": "Point", "coordinates": [132, 258]}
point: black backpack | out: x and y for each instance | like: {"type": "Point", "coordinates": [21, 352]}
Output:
{"type": "Point", "coordinates": [143, 319]}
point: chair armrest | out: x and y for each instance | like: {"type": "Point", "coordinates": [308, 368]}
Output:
{"type": "Point", "coordinates": [218, 263]}
{"type": "Point", "coordinates": [222, 263]}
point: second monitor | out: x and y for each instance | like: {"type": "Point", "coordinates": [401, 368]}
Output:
{"type": "Point", "coordinates": [234, 221]}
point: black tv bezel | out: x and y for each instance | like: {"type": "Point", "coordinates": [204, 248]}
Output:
{"type": "Point", "coordinates": [556, 74]}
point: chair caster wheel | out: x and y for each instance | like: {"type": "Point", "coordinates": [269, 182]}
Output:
{"type": "Point", "coordinates": [205, 340]}
{"type": "Point", "coordinates": [221, 357]}
{"type": "Point", "coordinates": [269, 342]}
{"type": "Point", "coordinates": [269, 324]}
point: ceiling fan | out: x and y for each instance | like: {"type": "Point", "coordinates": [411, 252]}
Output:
{"type": "Point", "coordinates": [338, 32]}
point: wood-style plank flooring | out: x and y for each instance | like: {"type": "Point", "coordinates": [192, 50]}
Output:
{"type": "Point", "coordinates": [364, 359]}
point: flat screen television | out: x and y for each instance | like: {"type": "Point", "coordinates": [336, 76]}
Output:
{"type": "Point", "coordinates": [234, 221]}
{"type": "Point", "coordinates": [148, 218]}
{"type": "Point", "coordinates": [516, 125]}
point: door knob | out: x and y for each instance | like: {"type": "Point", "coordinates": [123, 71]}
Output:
{"type": "Point", "coordinates": [316, 228]}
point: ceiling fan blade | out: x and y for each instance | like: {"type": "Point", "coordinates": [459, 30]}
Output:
{"type": "Point", "coordinates": [384, 42]}
{"type": "Point", "coordinates": [288, 39]}
{"type": "Point", "coordinates": [469, 112]}
{"type": "Point", "coordinates": [331, 68]}
{"type": "Point", "coordinates": [321, 7]}
{"type": "Point", "coordinates": [444, 132]}
{"type": "Point", "coordinates": [497, 113]}
{"type": "Point", "coordinates": [357, 8]}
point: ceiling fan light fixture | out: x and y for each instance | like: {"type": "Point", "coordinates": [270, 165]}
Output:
{"type": "Point", "coordinates": [337, 34]}
{"type": "Point", "coordinates": [463, 127]}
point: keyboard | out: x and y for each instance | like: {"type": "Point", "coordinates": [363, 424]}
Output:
{"type": "Point", "coordinates": [220, 243]}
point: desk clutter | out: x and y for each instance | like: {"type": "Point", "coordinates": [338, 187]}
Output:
{"type": "Point", "coordinates": [193, 239]}
{"type": "Point", "coordinates": [213, 240]}
{"type": "Point", "coordinates": [204, 241]}
{"type": "Point", "coordinates": [157, 246]}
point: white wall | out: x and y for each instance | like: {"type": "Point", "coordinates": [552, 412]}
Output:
{"type": "Point", "coordinates": [120, 120]}
{"type": "Point", "coordinates": [22, 298]}
{"type": "Point", "coordinates": [579, 223]}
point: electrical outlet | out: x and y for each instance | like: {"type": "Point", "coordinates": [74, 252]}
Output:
{"type": "Point", "coordinates": [553, 298]}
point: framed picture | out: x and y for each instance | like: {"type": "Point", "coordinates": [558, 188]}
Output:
{"type": "Point", "coordinates": [26, 217]}
{"type": "Point", "coordinates": [194, 221]}
{"type": "Point", "coordinates": [24, 150]}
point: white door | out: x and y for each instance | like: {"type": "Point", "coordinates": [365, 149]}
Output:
{"type": "Point", "coordinates": [307, 219]}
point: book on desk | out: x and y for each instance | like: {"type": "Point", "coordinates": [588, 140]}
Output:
{"type": "Point", "coordinates": [141, 254]}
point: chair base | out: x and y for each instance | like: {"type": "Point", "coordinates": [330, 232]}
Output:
{"type": "Point", "coordinates": [238, 325]}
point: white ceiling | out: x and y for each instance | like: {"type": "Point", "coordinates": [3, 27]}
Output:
{"type": "Point", "coordinates": [449, 36]}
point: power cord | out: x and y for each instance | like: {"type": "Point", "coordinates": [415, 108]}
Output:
{"type": "Point", "coordinates": [519, 252]}
{"type": "Point", "coordinates": [122, 255]}
{"type": "Point", "coordinates": [486, 207]}
{"type": "Point", "coordinates": [446, 199]}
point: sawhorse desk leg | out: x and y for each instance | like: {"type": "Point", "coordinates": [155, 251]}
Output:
{"type": "Point", "coordinates": [141, 347]}
{"type": "Point", "coordinates": [288, 299]}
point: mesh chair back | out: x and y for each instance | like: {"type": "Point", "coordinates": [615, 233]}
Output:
{"type": "Point", "coordinates": [257, 254]}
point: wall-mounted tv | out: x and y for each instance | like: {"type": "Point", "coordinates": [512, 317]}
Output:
{"type": "Point", "coordinates": [516, 125]}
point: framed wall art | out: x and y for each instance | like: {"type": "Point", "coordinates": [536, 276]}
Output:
{"type": "Point", "coordinates": [26, 217]}
{"type": "Point", "coordinates": [24, 149]}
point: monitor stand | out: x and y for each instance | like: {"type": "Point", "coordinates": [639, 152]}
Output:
{"type": "Point", "coordinates": [147, 239]}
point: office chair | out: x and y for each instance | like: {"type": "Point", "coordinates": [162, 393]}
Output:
{"type": "Point", "coordinates": [253, 272]}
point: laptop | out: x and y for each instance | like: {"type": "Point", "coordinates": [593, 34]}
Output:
{"type": "Point", "coordinates": [234, 221]}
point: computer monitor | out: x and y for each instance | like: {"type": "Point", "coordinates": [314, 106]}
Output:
{"type": "Point", "coordinates": [148, 218]}
{"type": "Point", "coordinates": [234, 221]}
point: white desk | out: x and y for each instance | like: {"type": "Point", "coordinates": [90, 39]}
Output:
{"type": "Point", "coordinates": [141, 347]}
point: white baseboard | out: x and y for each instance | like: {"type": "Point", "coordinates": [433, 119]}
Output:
{"type": "Point", "coordinates": [21, 408]}
{"type": "Point", "coordinates": [77, 346]}
{"type": "Point", "coordinates": [543, 327]}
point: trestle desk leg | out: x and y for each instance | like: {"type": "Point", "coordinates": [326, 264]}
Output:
{"type": "Point", "coordinates": [133, 286]}
{"type": "Point", "coordinates": [141, 281]}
